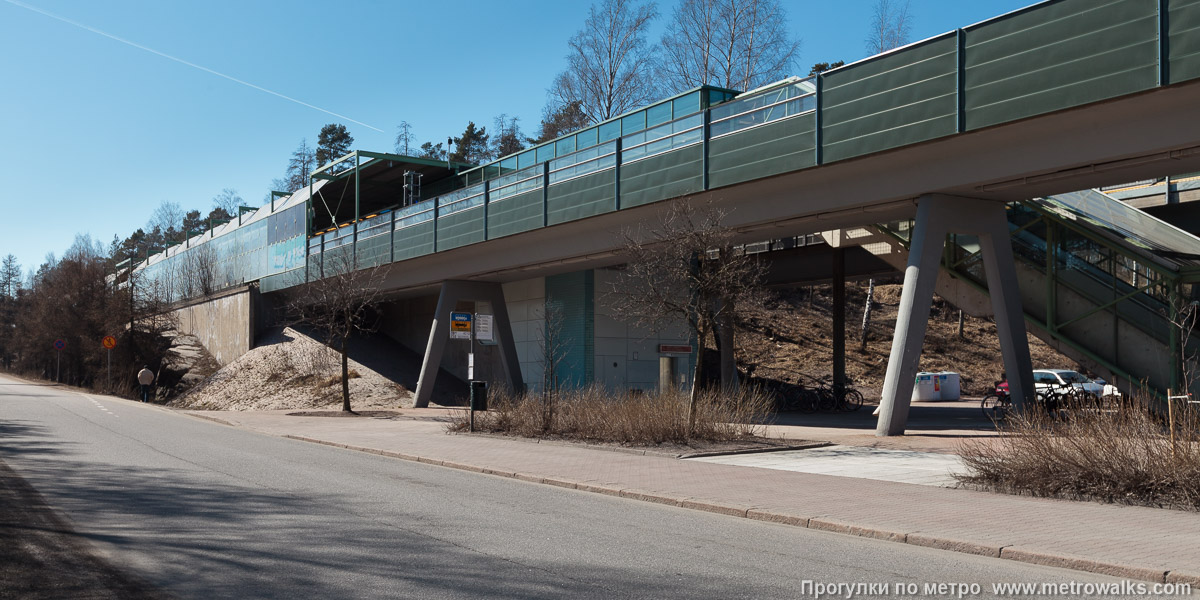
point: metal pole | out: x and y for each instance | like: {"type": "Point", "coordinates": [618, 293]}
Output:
{"type": "Point", "coordinates": [58, 367]}
{"type": "Point", "coordinates": [109, 384]}
{"type": "Point", "coordinates": [354, 249]}
{"type": "Point", "coordinates": [471, 374]}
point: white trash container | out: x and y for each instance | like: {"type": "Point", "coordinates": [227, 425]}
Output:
{"type": "Point", "coordinates": [950, 385]}
{"type": "Point", "coordinates": [925, 388]}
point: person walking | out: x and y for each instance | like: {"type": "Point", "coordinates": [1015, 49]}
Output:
{"type": "Point", "coordinates": [146, 379]}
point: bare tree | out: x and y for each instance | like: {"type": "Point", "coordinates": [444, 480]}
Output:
{"type": "Point", "coordinates": [229, 201]}
{"type": "Point", "coordinates": [338, 305]}
{"type": "Point", "coordinates": [736, 44]}
{"type": "Point", "coordinates": [610, 64]}
{"type": "Point", "coordinates": [685, 269]}
{"type": "Point", "coordinates": [406, 142]}
{"type": "Point", "coordinates": [890, 26]}
{"type": "Point", "coordinates": [300, 165]}
{"type": "Point", "coordinates": [167, 217]}
{"type": "Point", "coordinates": [552, 351]}
{"type": "Point", "coordinates": [866, 322]}
{"type": "Point", "coordinates": [506, 138]}
{"type": "Point", "coordinates": [199, 272]}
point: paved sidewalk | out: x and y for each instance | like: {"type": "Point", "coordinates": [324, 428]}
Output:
{"type": "Point", "coordinates": [1125, 541]}
{"type": "Point", "coordinates": [902, 466]}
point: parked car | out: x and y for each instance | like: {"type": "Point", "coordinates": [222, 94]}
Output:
{"type": "Point", "coordinates": [1044, 379]}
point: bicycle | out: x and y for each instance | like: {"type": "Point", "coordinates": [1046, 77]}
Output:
{"type": "Point", "coordinates": [847, 400]}
{"type": "Point", "coordinates": [997, 404]}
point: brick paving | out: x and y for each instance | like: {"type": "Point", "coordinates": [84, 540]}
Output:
{"type": "Point", "coordinates": [1126, 541]}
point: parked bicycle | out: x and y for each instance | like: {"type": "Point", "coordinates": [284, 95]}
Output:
{"type": "Point", "coordinates": [998, 404]}
{"type": "Point", "coordinates": [807, 399]}
{"type": "Point", "coordinates": [1054, 397]}
{"type": "Point", "coordinates": [848, 400]}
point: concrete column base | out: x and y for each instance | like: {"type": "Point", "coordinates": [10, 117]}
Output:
{"type": "Point", "coordinates": [938, 215]}
{"type": "Point", "coordinates": [439, 332]}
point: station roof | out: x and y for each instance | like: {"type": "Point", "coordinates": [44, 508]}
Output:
{"type": "Point", "coordinates": [1118, 220]}
{"type": "Point", "coordinates": [380, 180]}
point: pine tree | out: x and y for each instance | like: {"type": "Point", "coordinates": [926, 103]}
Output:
{"type": "Point", "coordinates": [472, 146]}
{"type": "Point", "coordinates": [561, 121]}
{"type": "Point", "coordinates": [10, 277]}
{"type": "Point", "coordinates": [332, 143]}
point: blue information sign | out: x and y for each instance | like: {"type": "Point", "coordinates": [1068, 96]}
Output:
{"type": "Point", "coordinates": [460, 326]}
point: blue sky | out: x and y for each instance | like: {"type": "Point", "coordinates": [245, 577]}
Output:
{"type": "Point", "coordinates": [97, 133]}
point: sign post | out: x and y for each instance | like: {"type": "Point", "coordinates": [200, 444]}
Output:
{"type": "Point", "coordinates": [109, 342]}
{"type": "Point", "coordinates": [59, 344]}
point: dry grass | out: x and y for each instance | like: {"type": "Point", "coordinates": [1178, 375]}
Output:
{"type": "Point", "coordinates": [1123, 455]}
{"type": "Point", "coordinates": [594, 415]}
{"type": "Point", "coordinates": [333, 380]}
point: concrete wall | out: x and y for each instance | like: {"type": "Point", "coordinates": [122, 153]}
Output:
{"type": "Point", "coordinates": [626, 356]}
{"type": "Point", "coordinates": [526, 309]}
{"type": "Point", "coordinates": [224, 323]}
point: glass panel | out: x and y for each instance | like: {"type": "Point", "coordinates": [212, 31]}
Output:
{"type": "Point", "coordinates": [634, 122]}
{"type": "Point", "coordinates": [564, 146]}
{"type": "Point", "coordinates": [687, 104]}
{"type": "Point", "coordinates": [587, 161]}
{"type": "Point", "coordinates": [586, 138]}
{"type": "Point", "coordinates": [508, 165]}
{"type": "Point", "coordinates": [413, 215]}
{"type": "Point", "coordinates": [527, 159]}
{"type": "Point", "coordinates": [768, 106]}
{"type": "Point", "coordinates": [662, 138]}
{"type": "Point", "coordinates": [1134, 226]}
{"type": "Point", "coordinates": [716, 97]}
{"type": "Point", "coordinates": [657, 115]}
{"type": "Point", "coordinates": [610, 131]}
{"type": "Point", "coordinates": [545, 153]}
{"type": "Point", "coordinates": [491, 171]}
{"type": "Point", "coordinates": [461, 200]}
{"type": "Point", "coordinates": [516, 183]}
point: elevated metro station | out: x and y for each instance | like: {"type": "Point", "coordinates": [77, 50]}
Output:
{"type": "Point", "coordinates": [964, 155]}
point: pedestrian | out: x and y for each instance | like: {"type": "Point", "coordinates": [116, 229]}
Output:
{"type": "Point", "coordinates": [146, 379]}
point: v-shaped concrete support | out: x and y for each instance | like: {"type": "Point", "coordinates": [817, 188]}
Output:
{"type": "Point", "coordinates": [938, 215]}
{"type": "Point", "coordinates": [439, 332]}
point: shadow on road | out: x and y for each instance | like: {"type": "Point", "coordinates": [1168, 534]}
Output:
{"type": "Point", "coordinates": [193, 533]}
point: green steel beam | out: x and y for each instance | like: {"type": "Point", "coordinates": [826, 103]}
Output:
{"type": "Point", "coordinates": [1113, 302]}
{"type": "Point", "coordinates": [348, 156]}
{"type": "Point", "coordinates": [413, 160]}
{"type": "Point", "coordinates": [275, 195]}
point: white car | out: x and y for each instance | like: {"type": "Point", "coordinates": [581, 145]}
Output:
{"type": "Point", "coordinates": [1044, 379]}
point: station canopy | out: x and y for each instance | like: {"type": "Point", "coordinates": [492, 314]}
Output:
{"type": "Point", "coordinates": [380, 180]}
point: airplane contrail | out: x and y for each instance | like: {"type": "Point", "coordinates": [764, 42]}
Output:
{"type": "Point", "coordinates": [181, 61]}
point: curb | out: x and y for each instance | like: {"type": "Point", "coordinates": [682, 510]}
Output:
{"type": "Point", "coordinates": [819, 523]}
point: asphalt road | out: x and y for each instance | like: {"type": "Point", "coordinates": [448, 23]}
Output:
{"type": "Point", "coordinates": [201, 510]}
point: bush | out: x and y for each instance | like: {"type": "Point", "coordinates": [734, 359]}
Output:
{"type": "Point", "coordinates": [592, 414]}
{"type": "Point", "coordinates": [1123, 455]}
